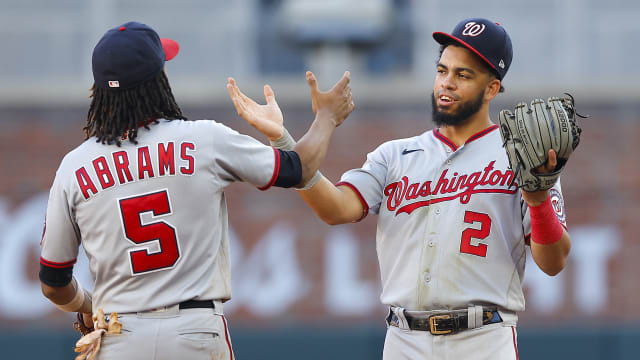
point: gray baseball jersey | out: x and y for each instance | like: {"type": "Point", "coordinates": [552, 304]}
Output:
{"type": "Point", "coordinates": [140, 211]}
{"type": "Point", "coordinates": [451, 229]}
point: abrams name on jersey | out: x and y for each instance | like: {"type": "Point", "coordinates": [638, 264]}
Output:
{"type": "Point", "coordinates": [120, 166]}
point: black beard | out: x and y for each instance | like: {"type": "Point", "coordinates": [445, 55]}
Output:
{"type": "Point", "coordinates": [465, 111]}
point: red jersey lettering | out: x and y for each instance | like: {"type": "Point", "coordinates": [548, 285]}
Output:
{"type": "Point", "coordinates": [104, 174]}
{"type": "Point", "coordinates": [121, 160]}
{"type": "Point", "coordinates": [442, 181]}
{"type": "Point", "coordinates": [85, 183]}
{"type": "Point", "coordinates": [166, 160]}
{"type": "Point", "coordinates": [144, 163]}
{"type": "Point", "coordinates": [462, 186]}
{"type": "Point", "coordinates": [187, 170]}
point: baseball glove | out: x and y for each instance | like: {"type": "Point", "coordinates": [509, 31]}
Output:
{"type": "Point", "coordinates": [80, 327]}
{"type": "Point", "coordinates": [89, 344]}
{"type": "Point", "coordinates": [531, 132]}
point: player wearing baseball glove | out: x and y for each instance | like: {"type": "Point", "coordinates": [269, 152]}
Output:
{"type": "Point", "coordinates": [89, 344]}
{"type": "Point", "coordinates": [531, 133]}
{"type": "Point", "coordinates": [80, 325]}
{"type": "Point", "coordinates": [404, 175]}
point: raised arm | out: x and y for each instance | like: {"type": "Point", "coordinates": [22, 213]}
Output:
{"type": "Point", "coordinates": [334, 107]}
{"type": "Point", "coordinates": [334, 205]}
{"type": "Point", "coordinates": [550, 241]}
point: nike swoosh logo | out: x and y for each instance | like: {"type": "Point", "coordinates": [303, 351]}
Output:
{"type": "Point", "coordinates": [406, 151]}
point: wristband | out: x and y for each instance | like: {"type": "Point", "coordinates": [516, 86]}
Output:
{"type": "Point", "coordinates": [285, 142]}
{"type": "Point", "coordinates": [546, 229]}
{"type": "Point", "coordinates": [316, 177]}
{"type": "Point", "coordinates": [81, 302]}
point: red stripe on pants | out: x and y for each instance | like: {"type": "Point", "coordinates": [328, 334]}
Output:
{"type": "Point", "coordinates": [226, 336]}
{"type": "Point", "coordinates": [515, 345]}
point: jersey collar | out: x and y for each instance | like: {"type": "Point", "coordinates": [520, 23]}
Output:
{"type": "Point", "coordinates": [476, 136]}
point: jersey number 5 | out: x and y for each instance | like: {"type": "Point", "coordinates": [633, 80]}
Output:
{"type": "Point", "coordinates": [143, 261]}
{"type": "Point", "coordinates": [466, 247]}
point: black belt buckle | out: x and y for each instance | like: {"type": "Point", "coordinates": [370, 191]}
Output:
{"type": "Point", "coordinates": [438, 324]}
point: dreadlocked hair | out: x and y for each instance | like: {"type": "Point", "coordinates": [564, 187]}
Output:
{"type": "Point", "coordinates": [114, 113]}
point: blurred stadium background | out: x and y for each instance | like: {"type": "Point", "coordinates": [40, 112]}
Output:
{"type": "Point", "coordinates": [302, 289]}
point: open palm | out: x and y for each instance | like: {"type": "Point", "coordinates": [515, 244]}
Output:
{"type": "Point", "coordinates": [265, 118]}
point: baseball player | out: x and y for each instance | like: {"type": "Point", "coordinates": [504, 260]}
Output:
{"type": "Point", "coordinates": [452, 225]}
{"type": "Point", "coordinates": [144, 195]}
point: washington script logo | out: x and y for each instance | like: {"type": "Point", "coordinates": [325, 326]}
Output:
{"type": "Point", "coordinates": [401, 193]}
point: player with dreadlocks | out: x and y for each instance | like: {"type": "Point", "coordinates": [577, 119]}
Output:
{"type": "Point", "coordinates": [151, 213]}
{"type": "Point", "coordinates": [116, 114]}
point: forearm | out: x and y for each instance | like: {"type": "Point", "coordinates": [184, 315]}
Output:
{"type": "Point", "coordinates": [552, 258]}
{"type": "Point", "coordinates": [71, 297]}
{"type": "Point", "coordinates": [312, 147]}
{"type": "Point", "coordinates": [333, 205]}
{"type": "Point", "coordinates": [550, 242]}
{"type": "Point", "coordinates": [59, 295]}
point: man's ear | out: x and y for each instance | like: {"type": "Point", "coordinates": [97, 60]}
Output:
{"type": "Point", "coordinates": [493, 88]}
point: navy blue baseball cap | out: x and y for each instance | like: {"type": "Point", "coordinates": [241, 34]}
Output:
{"type": "Point", "coordinates": [129, 55]}
{"type": "Point", "coordinates": [485, 38]}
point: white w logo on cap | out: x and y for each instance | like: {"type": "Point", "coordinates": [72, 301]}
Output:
{"type": "Point", "coordinates": [473, 29]}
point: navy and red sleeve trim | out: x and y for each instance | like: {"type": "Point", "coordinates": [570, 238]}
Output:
{"type": "Point", "coordinates": [56, 274]}
{"type": "Point", "coordinates": [276, 170]}
{"type": "Point", "coordinates": [365, 206]}
{"type": "Point", "coordinates": [288, 170]}
{"type": "Point", "coordinates": [57, 265]}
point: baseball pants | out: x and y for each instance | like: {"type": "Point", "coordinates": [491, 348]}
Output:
{"type": "Point", "coordinates": [489, 342]}
{"type": "Point", "coordinates": [170, 333]}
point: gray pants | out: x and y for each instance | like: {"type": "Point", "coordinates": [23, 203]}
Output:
{"type": "Point", "coordinates": [490, 342]}
{"type": "Point", "coordinates": [170, 333]}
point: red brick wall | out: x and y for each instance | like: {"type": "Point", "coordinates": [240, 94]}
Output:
{"type": "Point", "coordinates": [601, 187]}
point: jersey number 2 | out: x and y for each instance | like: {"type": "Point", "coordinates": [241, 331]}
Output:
{"type": "Point", "coordinates": [471, 217]}
{"type": "Point", "coordinates": [143, 261]}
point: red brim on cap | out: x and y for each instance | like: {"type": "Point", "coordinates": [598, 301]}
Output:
{"type": "Point", "coordinates": [444, 38]}
{"type": "Point", "coordinates": [171, 48]}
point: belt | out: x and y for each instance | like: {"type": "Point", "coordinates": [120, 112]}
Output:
{"type": "Point", "coordinates": [162, 311]}
{"type": "Point", "coordinates": [197, 304]}
{"type": "Point", "coordinates": [443, 323]}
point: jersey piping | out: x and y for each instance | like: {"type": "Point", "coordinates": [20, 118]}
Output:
{"type": "Point", "coordinates": [365, 212]}
{"type": "Point", "coordinates": [57, 265]}
{"type": "Point", "coordinates": [444, 139]}
{"type": "Point", "coordinates": [276, 170]}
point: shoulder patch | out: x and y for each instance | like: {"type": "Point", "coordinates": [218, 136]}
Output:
{"type": "Point", "coordinates": [558, 204]}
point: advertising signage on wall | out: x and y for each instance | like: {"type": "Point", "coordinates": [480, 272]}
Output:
{"type": "Point", "coordinates": [330, 272]}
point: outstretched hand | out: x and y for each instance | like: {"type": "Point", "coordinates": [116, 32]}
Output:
{"type": "Point", "coordinates": [265, 118]}
{"type": "Point", "coordinates": [337, 103]}
{"type": "Point", "coordinates": [338, 100]}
